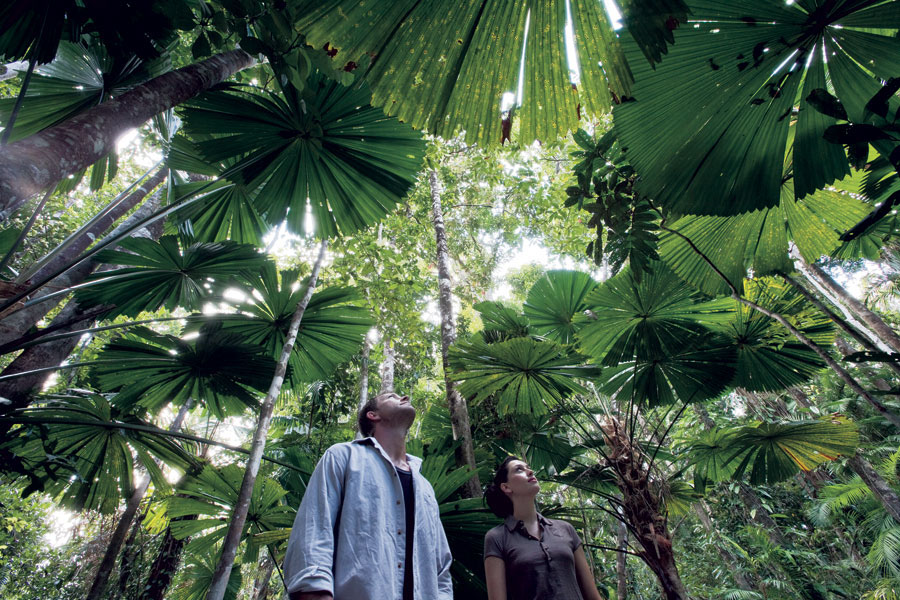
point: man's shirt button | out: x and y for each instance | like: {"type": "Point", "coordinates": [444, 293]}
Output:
{"type": "Point", "coordinates": [398, 502]}
{"type": "Point", "coordinates": [399, 532]}
{"type": "Point", "coordinates": [399, 565]}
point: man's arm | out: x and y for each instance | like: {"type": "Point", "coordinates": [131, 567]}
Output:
{"type": "Point", "coordinates": [310, 553]}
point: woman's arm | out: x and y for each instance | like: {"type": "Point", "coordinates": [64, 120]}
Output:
{"type": "Point", "coordinates": [495, 572]}
{"type": "Point", "coordinates": [584, 575]}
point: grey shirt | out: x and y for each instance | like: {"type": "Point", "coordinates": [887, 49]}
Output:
{"type": "Point", "coordinates": [349, 536]}
{"type": "Point", "coordinates": [536, 569]}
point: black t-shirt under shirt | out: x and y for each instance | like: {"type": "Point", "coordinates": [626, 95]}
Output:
{"type": "Point", "coordinates": [406, 482]}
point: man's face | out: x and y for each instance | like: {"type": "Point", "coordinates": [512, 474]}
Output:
{"type": "Point", "coordinates": [396, 410]}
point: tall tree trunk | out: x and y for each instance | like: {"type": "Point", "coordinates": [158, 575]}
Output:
{"type": "Point", "coordinates": [242, 506]}
{"type": "Point", "coordinates": [459, 413]}
{"type": "Point", "coordinates": [881, 329]}
{"type": "Point", "coordinates": [15, 325]}
{"type": "Point", "coordinates": [261, 583]}
{"type": "Point", "coordinates": [165, 565]}
{"type": "Point", "coordinates": [39, 161]}
{"type": "Point", "coordinates": [364, 374]}
{"type": "Point", "coordinates": [875, 482]}
{"type": "Point", "coordinates": [621, 563]}
{"type": "Point", "coordinates": [640, 503]}
{"type": "Point", "coordinates": [845, 325]}
{"type": "Point", "coordinates": [387, 366]}
{"type": "Point", "coordinates": [737, 571]}
{"type": "Point", "coordinates": [131, 507]}
{"type": "Point", "coordinates": [71, 318]}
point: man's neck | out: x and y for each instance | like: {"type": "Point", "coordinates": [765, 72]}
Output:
{"type": "Point", "coordinates": [393, 441]}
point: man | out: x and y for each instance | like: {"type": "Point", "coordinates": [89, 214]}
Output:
{"type": "Point", "coordinates": [369, 527]}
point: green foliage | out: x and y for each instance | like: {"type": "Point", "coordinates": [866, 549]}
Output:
{"type": "Point", "coordinates": [725, 93]}
{"type": "Point", "coordinates": [327, 147]}
{"type": "Point", "coordinates": [554, 301]}
{"type": "Point", "coordinates": [605, 189]}
{"type": "Point", "coordinates": [218, 369]}
{"type": "Point", "coordinates": [166, 274]}
{"type": "Point", "coordinates": [72, 450]}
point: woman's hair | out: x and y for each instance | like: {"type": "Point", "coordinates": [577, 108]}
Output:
{"type": "Point", "coordinates": [497, 500]}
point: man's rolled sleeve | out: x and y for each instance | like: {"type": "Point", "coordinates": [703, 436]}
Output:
{"type": "Point", "coordinates": [310, 553]}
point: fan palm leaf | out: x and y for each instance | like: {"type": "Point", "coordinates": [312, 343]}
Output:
{"type": "Point", "coordinates": [445, 68]}
{"type": "Point", "coordinates": [217, 368]}
{"type": "Point", "coordinates": [524, 373]}
{"type": "Point", "coordinates": [773, 452]}
{"type": "Point", "coordinates": [554, 300]}
{"type": "Point", "coordinates": [501, 321]}
{"type": "Point", "coordinates": [331, 332]}
{"type": "Point", "coordinates": [758, 240]}
{"type": "Point", "coordinates": [643, 319]}
{"type": "Point", "coordinates": [225, 212]}
{"type": "Point", "coordinates": [82, 460]}
{"type": "Point", "coordinates": [769, 358]}
{"type": "Point", "coordinates": [350, 162]}
{"type": "Point", "coordinates": [731, 99]}
{"type": "Point", "coordinates": [198, 575]}
{"type": "Point", "coordinates": [211, 496]}
{"type": "Point", "coordinates": [698, 367]}
{"type": "Point", "coordinates": [164, 273]}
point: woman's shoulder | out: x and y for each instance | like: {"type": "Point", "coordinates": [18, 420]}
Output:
{"type": "Point", "coordinates": [496, 532]}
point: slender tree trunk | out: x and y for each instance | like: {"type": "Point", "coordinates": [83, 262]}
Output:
{"type": "Point", "coordinates": [846, 350]}
{"type": "Point", "coordinates": [621, 563]}
{"type": "Point", "coordinates": [737, 571]}
{"type": "Point", "coordinates": [242, 506]}
{"type": "Point", "coordinates": [387, 366]}
{"type": "Point", "coordinates": [71, 318]}
{"type": "Point", "coordinates": [261, 583]}
{"type": "Point", "coordinates": [15, 325]}
{"type": "Point", "coordinates": [881, 329]}
{"type": "Point", "coordinates": [845, 326]}
{"type": "Point", "coordinates": [131, 507]}
{"type": "Point", "coordinates": [875, 482]}
{"type": "Point", "coordinates": [39, 161]}
{"type": "Point", "coordinates": [459, 413]}
{"type": "Point", "coordinates": [165, 565]}
{"type": "Point", "coordinates": [640, 503]}
{"type": "Point", "coordinates": [364, 374]}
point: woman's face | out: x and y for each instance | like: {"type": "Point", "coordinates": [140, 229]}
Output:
{"type": "Point", "coordinates": [520, 480]}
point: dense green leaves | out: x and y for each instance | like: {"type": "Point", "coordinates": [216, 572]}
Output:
{"type": "Point", "coordinates": [445, 68]}
{"type": "Point", "coordinates": [645, 319]}
{"type": "Point", "coordinates": [769, 358]}
{"type": "Point", "coordinates": [217, 368]}
{"type": "Point", "coordinates": [554, 301]}
{"type": "Point", "coordinates": [166, 274]}
{"type": "Point", "coordinates": [526, 374]}
{"type": "Point", "coordinates": [328, 150]}
{"type": "Point", "coordinates": [726, 94]}
{"type": "Point", "coordinates": [75, 453]}
{"type": "Point", "coordinates": [332, 329]}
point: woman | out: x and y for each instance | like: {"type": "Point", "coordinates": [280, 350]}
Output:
{"type": "Point", "coordinates": [531, 557]}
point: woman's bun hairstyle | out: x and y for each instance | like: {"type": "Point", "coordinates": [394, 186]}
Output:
{"type": "Point", "coordinates": [496, 499]}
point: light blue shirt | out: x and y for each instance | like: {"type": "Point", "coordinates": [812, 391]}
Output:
{"type": "Point", "coordinates": [362, 556]}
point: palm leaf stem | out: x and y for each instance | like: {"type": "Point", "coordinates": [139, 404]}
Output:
{"type": "Point", "coordinates": [659, 442]}
{"type": "Point", "coordinates": [601, 547]}
{"type": "Point", "coordinates": [144, 428]}
{"type": "Point", "coordinates": [12, 250]}
{"type": "Point", "coordinates": [232, 538]}
{"type": "Point", "coordinates": [56, 368]}
{"type": "Point", "coordinates": [41, 337]}
{"type": "Point", "coordinates": [835, 318]}
{"type": "Point", "coordinates": [28, 273]}
{"type": "Point", "coordinates": [841, 372]}
{"type": "Point", "coordinates": [7, 129]}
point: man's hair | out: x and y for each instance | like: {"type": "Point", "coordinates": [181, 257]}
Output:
{"type": "Point", "coordinates": [367, 427]}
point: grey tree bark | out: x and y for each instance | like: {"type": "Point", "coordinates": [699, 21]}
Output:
{"type": "Point", "coordinates": [261, 583]}
{"type": "Point", "coordinates": [15, 325]}
{"type": "Point", "coordinates": [621, 564]}
{"type": "Point", "coordinates": [41, 160]}
{"type": "Point", "coordinates": [875, 482]}
{"type": "Point", "coordinates": [71, 318]}
{"type": "Point", "coordinates": [101, 578]}
{"type": "Point", "coordinates": [242, 506]}
{"type": "Point", "coordinates": [882, 330]}
{"type": "Point", "coordinates": [387, 366]}
{"type": "Point", "coordinates": [459, 412]}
